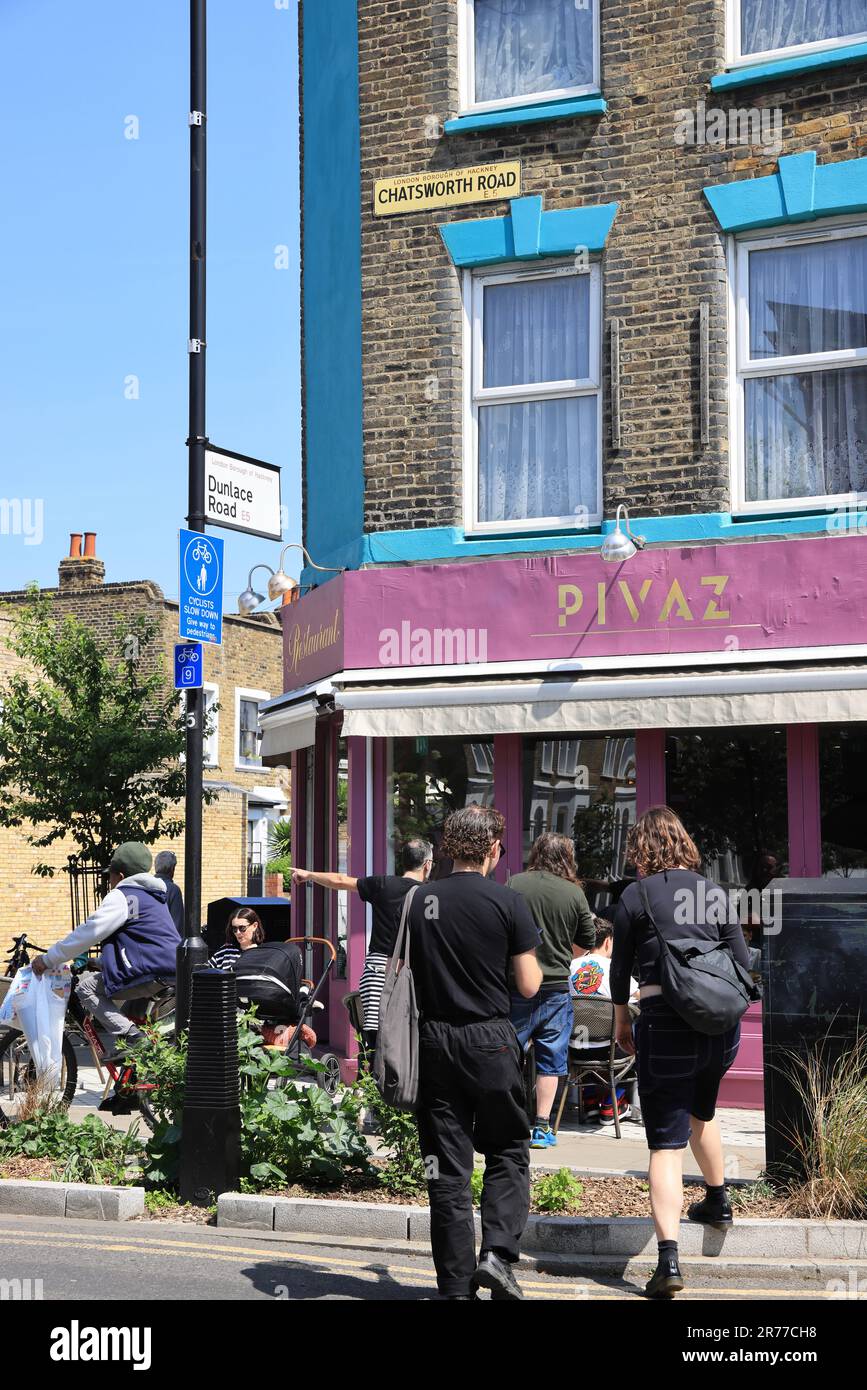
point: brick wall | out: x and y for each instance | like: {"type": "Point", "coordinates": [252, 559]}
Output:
{"type": "Point", "coordinates": [664, 255]}
{"type": "Point", "coordinates": [250, 657]}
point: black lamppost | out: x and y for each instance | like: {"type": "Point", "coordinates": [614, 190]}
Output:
{"type": "Point", "coordinates": [193, 951]}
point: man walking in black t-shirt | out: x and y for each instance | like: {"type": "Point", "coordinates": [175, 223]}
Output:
{"type": "Point", "coordinates": [467, 933]}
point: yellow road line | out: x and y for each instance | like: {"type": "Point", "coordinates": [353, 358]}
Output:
{"type": "Point", "coordinates": [365, 1269]}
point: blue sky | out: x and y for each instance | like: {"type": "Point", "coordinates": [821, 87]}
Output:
{"type": "Point", "coordinates": [94, 275]}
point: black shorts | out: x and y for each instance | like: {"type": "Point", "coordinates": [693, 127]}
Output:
{"type": "Point", "coordinates": [679, 1072]}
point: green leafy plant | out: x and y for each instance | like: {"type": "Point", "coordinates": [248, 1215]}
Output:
{"type": "Point", "coordinates": [403, 1173]}
{"type": "Point", "coordinates": [557, 1192]}
{"type": "Point", "coordinates": [477, 1182]}
{"type": "Point", "coordinates": [88, 1151]}
{"type": "Point", "coordinates": [290, 1131]}
{"type": "Point", "coordinates": [280, 851]}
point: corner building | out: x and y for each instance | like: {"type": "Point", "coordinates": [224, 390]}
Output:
{"type": "Point", "coordinates": [558, 256]}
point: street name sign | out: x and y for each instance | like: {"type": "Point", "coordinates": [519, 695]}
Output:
{"type": "Point", "coordinates": [447, 188]}
{"type": "Point", "coordinates": [242, 494]}
{"type": "Point", "coordinates": [201, 588]}
{"type": "Point", "coordinates": [188, 666]}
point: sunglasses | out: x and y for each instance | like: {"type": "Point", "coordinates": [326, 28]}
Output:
{"type": "Point", "coordinates": [245, 926]}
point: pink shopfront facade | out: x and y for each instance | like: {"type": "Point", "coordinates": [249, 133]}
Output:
{"type": "Point", "coordinates": [727, 679]}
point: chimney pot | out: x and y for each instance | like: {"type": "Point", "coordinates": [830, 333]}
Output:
{"type": "Point", "coordinates": [75, 545]}
{"type": "Point", "coordinates": [90, 544]}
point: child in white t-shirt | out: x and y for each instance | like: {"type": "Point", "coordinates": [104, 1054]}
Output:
{"type": "Point", "coordinates": [589, 973]}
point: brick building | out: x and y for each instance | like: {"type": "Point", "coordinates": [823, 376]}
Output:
{"type": "Point", "coordinates": [239, 675]}
{"type": "Point", "coordinates": [670, 314]}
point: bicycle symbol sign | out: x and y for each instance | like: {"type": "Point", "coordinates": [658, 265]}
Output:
{"type": "Point", "coordinates": [201, 588]}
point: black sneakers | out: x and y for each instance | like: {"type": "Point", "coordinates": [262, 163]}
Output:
{"type": "Point", "coordinates": [666, 1279]}
{"type": "Point", "coordinates": [494, 1274]}
{"type": "Point", "coordinates": [711, 1213]}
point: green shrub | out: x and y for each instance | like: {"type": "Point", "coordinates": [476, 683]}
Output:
{"type": "Point", "coordinates": [404, 1172]}
{"type": "Point", "coordinates": [476, 1184]}
{"type": "Point", "coordinates": [830, 1145]}
{"type": "Point", "coordinates": [557, 1192]}
{"type": "Point", "coordinates": [289, 1132]}
{"type": "Point", "coordinates": [85, 1151]}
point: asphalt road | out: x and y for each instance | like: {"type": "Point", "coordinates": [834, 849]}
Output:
{"type": "Point", "coordinates": [86, 1260]}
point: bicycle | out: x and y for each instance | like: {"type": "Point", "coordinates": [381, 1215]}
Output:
{"type": "Point", "coordinates": [17, 1071]}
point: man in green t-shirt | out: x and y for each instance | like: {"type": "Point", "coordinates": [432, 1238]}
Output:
{"type": "Point", "coordinates": [561, 912]}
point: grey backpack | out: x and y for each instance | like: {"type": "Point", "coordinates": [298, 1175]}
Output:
{"type": "Point", "coordinates": [395, 1062]}
{"type": "Point", "coordinates": [701, 980]}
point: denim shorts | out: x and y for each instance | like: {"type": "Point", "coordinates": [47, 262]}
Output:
{"type": "Point", "coordinates": [547, 1021]}
{"type": "Point", "coordinates": [679, 1072]}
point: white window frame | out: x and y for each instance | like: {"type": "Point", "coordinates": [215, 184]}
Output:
{"type": "Point", "coordinates": [735, 58]}
{"type": "Point", "coordinates": [243, 694]}
{"type": "Point", "coordinates": [212, 741]}
{"type": "Point", "coordinates": [476, 395]}
{"type": "Point", "coordinates": [467, 69]}
{"type": "Point", "coordinates": [742, 367]}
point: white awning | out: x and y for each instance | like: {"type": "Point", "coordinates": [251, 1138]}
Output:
{"type": "Point", "coordinates": [720, 699]}
{"type": "Point", "coordinates": [284, 730]}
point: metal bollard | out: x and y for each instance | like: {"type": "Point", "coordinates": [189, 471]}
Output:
{"type": "Point", "coordinates": [211, 1123]}
{"type": "Point", "coordinates": [192, 954]}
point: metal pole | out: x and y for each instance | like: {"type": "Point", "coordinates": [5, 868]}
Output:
{"type": "Point", "coordinates": [193, 950]}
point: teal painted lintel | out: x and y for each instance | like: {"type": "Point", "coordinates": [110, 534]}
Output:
{"type": "Point", "coordinates": [444, 544]}
{"type": "Point", "coordinates": [593, 104]}
{"type": "Point", "coordinates": [753, 75]}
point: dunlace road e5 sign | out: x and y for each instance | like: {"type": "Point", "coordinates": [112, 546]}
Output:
{"type": "Point", "coordinates": [242, 494]}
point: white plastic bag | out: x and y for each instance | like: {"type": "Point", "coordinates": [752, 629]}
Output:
{"type": "Point", "coordinates": [38, 1004]}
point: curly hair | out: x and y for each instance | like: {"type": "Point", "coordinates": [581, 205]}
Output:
{"type": "Point", "coordinates": [245, 914]}
{"type": "Point", "coordinates": [470, 832]}
{"type": "Point", "coordinates": [556, 854]}
{"type": "Point", "coordinates": [659, 841]}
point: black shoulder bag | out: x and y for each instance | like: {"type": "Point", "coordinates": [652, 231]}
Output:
{"type": "Point", "coordinates": [702, 981]}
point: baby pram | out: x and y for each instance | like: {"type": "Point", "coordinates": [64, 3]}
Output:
{"type": "Point", "coordinates": [297, 1040]}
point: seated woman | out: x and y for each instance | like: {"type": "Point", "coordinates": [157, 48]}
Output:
{"type": "Point", "coordinates": [271, 978]}
{"type": "Point", "coordinates": [243, 930]}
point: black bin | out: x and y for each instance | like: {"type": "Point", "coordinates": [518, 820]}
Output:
{"type": "Point", "coordinates": [274, 914]}
{"type": "Point", "coordinates": [815, 978]}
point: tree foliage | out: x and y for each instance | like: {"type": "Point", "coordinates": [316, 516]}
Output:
{"type": "Point", "coordinates": [90, 735]}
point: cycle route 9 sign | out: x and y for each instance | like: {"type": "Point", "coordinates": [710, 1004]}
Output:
{"type": "Point", "coordinates": [201, 588]}
{"type": "Point", "coordinates": [188, 666]}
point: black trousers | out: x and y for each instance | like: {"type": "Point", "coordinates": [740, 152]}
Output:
{"type": "Point", "coordinates": [472, 1100]}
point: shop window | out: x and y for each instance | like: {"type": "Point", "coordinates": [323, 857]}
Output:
{"type": "Point", "coordinates": [729, 787]}
{"type": "Point", "coordinates": [340, 901]}
{"type": "Point", "coordinates": [575, 788]}
{"type": "Point", "coordinates": [801, 369]}
{"type": "Point", "coordinates": [514, 52]}
{"type": "Point", "coordinates": [769, 29]}
{"type": "Point", "coordinates": [843, 799]}
{"type": "Point", "coordinates": [429, 778]}
{"type": "Point", "coordinates": [532, 433]}
{"type": "Point", "coordinates": [248, 735]}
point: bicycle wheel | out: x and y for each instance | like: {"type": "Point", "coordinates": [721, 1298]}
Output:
{"type": "Point", "coordinates": [18, 1073]}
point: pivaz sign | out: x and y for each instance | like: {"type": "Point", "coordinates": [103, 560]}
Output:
{"type": "Point", "coordinates": [201, 588]}
{"type": "Point", "coordinates": [188, 666]}
{"type": "Point", "coordinates": [242, 494]}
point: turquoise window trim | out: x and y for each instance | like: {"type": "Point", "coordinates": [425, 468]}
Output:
{"type": "Point", "coordinates": [800, 191]}
{"type": "Point", "coordinates": [567, 108]}
{"type": "Point", "coordinates": [756, 73]}
{"type": "Point", "coordinates": [442, 544]}
{"type": "Point", "coordinates": [528, 233]}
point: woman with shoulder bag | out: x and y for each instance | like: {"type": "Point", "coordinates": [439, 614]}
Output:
{"type": "Point", "coordinates": [690, 955]}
